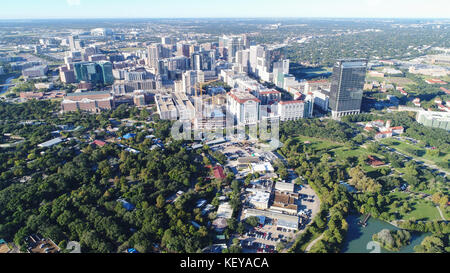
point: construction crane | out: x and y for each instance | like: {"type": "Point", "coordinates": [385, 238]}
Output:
{"type": "Point", "coordinates": [201, 94]}
{"type": "Point", "coordinates": [201, 86]}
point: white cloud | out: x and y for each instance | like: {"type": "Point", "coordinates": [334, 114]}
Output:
{"type": "Point", "coordinates": [73, 2]}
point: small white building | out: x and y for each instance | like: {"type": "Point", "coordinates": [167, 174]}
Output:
{"type": "Point", "coordinates": [291, 110]}
{"type": "Point", "coordinates": [260, 199]}
{"type": "Point", "coordinates": [284, 187]}
{"type": "Point", "coordinates": [265, 167]}
{"type": "Point", "coordinates": [225, 211]}
{"type": "Point", "coordinates": [50, 143]}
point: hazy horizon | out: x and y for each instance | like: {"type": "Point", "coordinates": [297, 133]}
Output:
{"type": "Point", "coordinates": [200, 9]}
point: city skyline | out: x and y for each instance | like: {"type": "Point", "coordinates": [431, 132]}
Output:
{"type": "Point", "coordinates": [58, 9]}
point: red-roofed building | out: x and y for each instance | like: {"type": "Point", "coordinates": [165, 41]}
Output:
{"type": "Point", "coordinates": [244, 106]}
{"type": "Point", "coordinates": [219, 173]}
{"type": "Point", "coordinates": [397, 130]}
{"type": "Point", "coordinates": [31, 95]}
{"type": "Point", "coordinates": [403, 92]}
{"type": "Point", "coordinates": [266, 97]}
{"type": "Point", "coordinates": [98, 143]}
{"type": "Point", "coordinates": [374, 162]}
{"type": "Point", "coordinates": [381, 135]}
{"type": "Point", "coordinates": [435, 81]}
{"type": "Point", "coordinates": [445, 90]}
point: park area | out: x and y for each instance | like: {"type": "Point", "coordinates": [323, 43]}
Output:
{"type": "Point", "coordinates": [420, 152]}
{"type": "Point", "coordinates": [341, 153]}
{"type": "Point", "coordinates": [411, 206]}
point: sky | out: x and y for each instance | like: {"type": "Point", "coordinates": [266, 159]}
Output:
{"type": "Point", "coordinates": [46, 9]}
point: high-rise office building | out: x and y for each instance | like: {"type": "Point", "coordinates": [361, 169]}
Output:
{"type": "Point", "coordinates": [347, 87]}
{"type": "Point", "coordinates": [154, 55]}
{"type": "Point", "coordinates": [75, 44]}
{"type": "Point", "coordinates": [107, 74]}
{"type": "Point", "coordinates": [96, 73]}
{"type": "Point", "coordinates": [204, 60]}
{"type": "Point", "coordinates": [233, 44]}
{"type": "Point", "coordinates": [166, 40]}
{"type": "Point", "coordinates": [190, 79]}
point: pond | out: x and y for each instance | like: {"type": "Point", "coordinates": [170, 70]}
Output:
{"type": "Point", "coordinates": [359, 237]}
{"type": "Point", "coordinates": [6, 87]}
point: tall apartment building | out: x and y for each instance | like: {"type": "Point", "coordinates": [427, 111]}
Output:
{"type": "Point", "coordinates": [204, 60]}
{"type": "Point", "coordinates": [233, 44]}
{"type": "Point", "coordinates": [166, 107]}
{"type": "Point", "coordinates": [243, 60]}
{"type": "Point", "coordinates": [66, 75]}
{"type": "Point", "coordinates": [190, 79]}
{"type": "Point", "coordinates": [244, 106]}
{"type": "Point", "coordinates": [347, 87]}
{"type": "Point", "coordinates": [74, 43]}
{"type": "Point", "coordinates": [154, 55]}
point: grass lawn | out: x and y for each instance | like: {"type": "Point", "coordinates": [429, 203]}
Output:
{"type": "Point", "coordinates": [319, 144]}
{"type": "Point", "coordinates": [401, 81]}
{"type": "Point", "coordinates": [421, 209]}
{"type": "Point", "coordinates": [424, 211]}
{"type": "Point", "coordinates": [421, 151]}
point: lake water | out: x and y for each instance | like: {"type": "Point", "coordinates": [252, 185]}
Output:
{"type": "Point", "coordinates": [359, 237]}
{"type": "Point", "coordinates": [5, 88]}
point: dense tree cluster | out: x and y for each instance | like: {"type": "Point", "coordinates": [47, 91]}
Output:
{"type": "Point", "coordinates": [392, 240]}
{"type": "Point", "coordinates": [434, 244]}
{"type": "Point", "coordinates": [330, 129]}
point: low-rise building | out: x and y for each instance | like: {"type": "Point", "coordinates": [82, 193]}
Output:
{"type": "Point", "coordinates": [166, 107]}
{"type": "Point", "coordinates": [38, 244]}
{"type": "Point", "coordinates": [435, 81]}
{"type": "Point", "coordinates": [282, 220]}
{"type": "Point", "coordinates": [225, 211]}
{"type": "Point", "coordinates": [50, 143]}
{"type": "Point", "coordinates": [88, 101]}
{"type": "Point", "coordinates": [284, 187]}
{"type": "Point", "coordinates": [286, 202]}
{"type": "Point", "coordinates": [291, 110]}
{"type": "Point", "coordinates": [434, 119]}
{"type": "Point", "coordinates": [259, 199]}
{"type": "Point", "coordinates": [264, 167]}
{"type": "Point", "coordinates": [35, 72]}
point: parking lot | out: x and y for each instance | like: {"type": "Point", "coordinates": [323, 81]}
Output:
{"type": "Point", "coordinates": [263, 239]}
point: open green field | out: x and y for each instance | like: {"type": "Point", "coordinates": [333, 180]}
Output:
{"type": "Point", "coordinates": [341, 152]}
{"type": "Point", "coordinates": [419, 151]}
{"type": "Point", "coordinates": [319, 144]}
{"type": "Point", "coordinates": [400, 81]}
{"type": "Point", "coordinates": [421, 209]}
{"type": "Point", "coordinates": [336, 149]}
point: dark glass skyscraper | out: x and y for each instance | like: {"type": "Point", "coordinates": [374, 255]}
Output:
{"type": "Point", "coordinates": [96, 73]}
{"type": "Point", "coordinates": [347, 87]}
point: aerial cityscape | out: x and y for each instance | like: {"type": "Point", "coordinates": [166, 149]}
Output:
{"type": "Point", "coordinates": [201, 133]}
